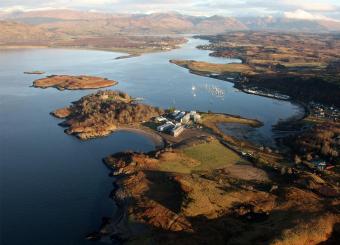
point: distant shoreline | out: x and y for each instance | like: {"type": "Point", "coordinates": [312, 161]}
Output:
{"type": "Point", "coordinates": [124, 53]}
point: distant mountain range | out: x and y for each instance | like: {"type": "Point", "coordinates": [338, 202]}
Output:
{"type": "Point", "coordinates": [70, 23]}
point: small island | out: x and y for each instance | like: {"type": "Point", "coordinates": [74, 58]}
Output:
{"type": "Point", "coordinates": [62, 82]}
{"type": "Point", "coordinates": [34, 72]}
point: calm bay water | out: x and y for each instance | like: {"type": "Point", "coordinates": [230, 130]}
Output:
{"type": "Point", "coordinates": [54, 188]}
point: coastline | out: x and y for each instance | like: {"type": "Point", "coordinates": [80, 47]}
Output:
{"type": "Point", "coordinates": [157, 139]}
{"type": "Point", "coordinates": [125, 53]}
{"type": "Point", "coordinates": [236, 84]}
{"type": "Point", "coordinates": [117, 221]}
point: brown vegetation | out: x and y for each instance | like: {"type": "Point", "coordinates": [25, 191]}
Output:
{"type": "Point", "coordinates": [73, 82]}
{"type": "Point", "coordinates": [211, 121]}
{"type": "Point", "coordinates": [216, 205]}
{"type": "Point", "coordinates": [82, 34]}
{"type": "Point", "coordinates": [204, 67]}
{"type": "Point", "coordinates": [101, 113]}
{"type": "Point", "coordinates": [322, 140]}
{"type": "Point", "coordinates": [62, 112]}
{"type": "Point", "coordinates": [133, 45]}
{"type": "Point", "coordinates": [303, 66]}
{"type": "Point", "coordinates": [11, 33]}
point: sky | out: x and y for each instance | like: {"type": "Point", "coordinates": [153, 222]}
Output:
{"type": "Point", "coordinates": [301, 9]}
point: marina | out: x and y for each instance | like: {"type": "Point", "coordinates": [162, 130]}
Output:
{"type": "Point", "coordinates": [255, 91]}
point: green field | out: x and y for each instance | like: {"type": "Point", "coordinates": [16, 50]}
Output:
{"type": "Point", "coordinates": [212, 155]}
{"type": "Point", "coordinates": [206, 156]}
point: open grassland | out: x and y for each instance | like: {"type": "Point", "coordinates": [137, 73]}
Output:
{"type": "Point", "coordinates": [212, 155]}
{"type": "Point", "coordinates": [201, 157]}
{"type": "Point", "coordinates": [210, 119]}
{"type": "Point", "coordinates": [205, 67]}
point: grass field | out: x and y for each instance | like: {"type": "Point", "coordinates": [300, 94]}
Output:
{"type": "Point", "coordinates": [208, 119]}
{"type": "Point", "coordinates": [206, 156]}
{"type": "Point", "coordinates": [212, 155]}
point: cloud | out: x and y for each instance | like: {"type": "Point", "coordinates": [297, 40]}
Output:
{"type": "Point", "coordinates": [310, 5]}
{"type": "Point", "coordinates": [311, 8]}
{"type": "Point", "coordinates": [304, 15]}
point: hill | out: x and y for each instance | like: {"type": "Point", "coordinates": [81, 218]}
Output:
{"type": "Point", "coordinates": [288, 24]}
{"type": "Point", "coordinates": [74, 22]}
{"type": "Point", "coordinates": [15, 33]}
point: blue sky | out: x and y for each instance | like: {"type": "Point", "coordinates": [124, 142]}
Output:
{"type": "Point", "coordinates": [307, 9]}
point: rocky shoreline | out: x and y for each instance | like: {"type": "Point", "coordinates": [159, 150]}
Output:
{"type": "Point", "coordinates": [100, 114]}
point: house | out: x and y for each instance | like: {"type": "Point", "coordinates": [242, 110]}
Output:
{"type": "Point", "coordinates": [177, 130]}
{"type": "Point", "coordinates": [192, 114]}
{"type": "Point", "coordinates": [320, 164]}
{"type": "Point", "coordinates": [165, 127]}
{"type": "Point", "coordinates": [197, 118]}
{"type": "Point", "coordinates": [185, 119]}
{"type": "Point", "coordinates": [175, 113]}
{"type": "Point", "coordinates": [161, 119]}
{"type": "Point", "coordinates": [180, 115]}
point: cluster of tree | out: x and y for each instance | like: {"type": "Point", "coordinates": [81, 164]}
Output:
{"type": "Point", "coordinates": [111, 107]}
{"type": "Point", "coordinates": [323, 141]}
{"type": "Point", "coordinates": [304, 89]}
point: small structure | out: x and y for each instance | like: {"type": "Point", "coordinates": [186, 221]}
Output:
{"type": "Point", "coordinates": [185, 119]}
{"type": "Point", "coordinates": [164, 127]}
{"type": "Point", "coordinates": [320, 164]}
{"type": "Point", "coordinates": [180, 115]}
{"type": "Point", "coordinates": [197, 118]}
{"type": "Point", "coordinates": [161, 119]}
{"type": "Point", "coordinates": [177, 130]}
{"type": "Point", "coordinates": [175, 113]}
{"type": "Point", "coordinates": [192, 114]}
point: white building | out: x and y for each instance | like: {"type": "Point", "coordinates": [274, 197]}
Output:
{"type": "Point", "coordinates": [175, 113]}
{"type": "Point", "coordinates": [164, 127]}
{"type": "Point", "coordinates": [161, 119]}
{"type": "Point", "coordinates": [197, 118]}
{"type": "Point", "coordinates": [185, 119]}
{"type": "Point", "coordinates": [177, 130]}
{"type": "Point", "coordinates": [180, 115]}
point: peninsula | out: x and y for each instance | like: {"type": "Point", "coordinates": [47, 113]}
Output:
{"type": "Point", "coordinates": [198, 191]}
{"type": "Point", "coordinates": [62, 82]}
{"type": "Point", "coordinates": [202, 185]}
{"type": "Point", "coordinates": [100, 114]}
{"type": "Point", "coordinates": [34, 72]}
